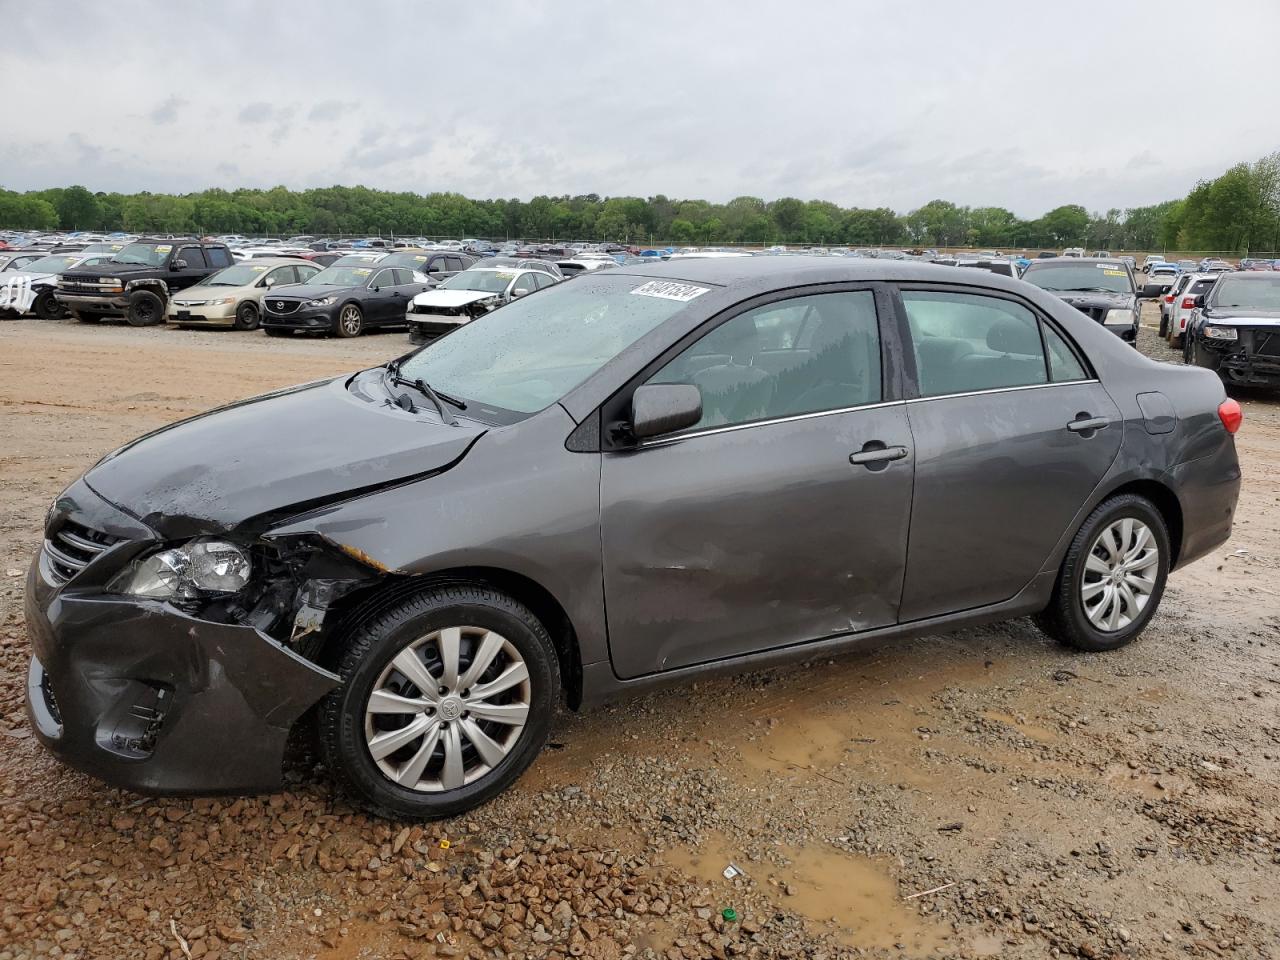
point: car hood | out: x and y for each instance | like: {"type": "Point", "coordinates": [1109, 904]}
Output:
{"type": "Point", "coordinates": [114, 270]}
{"type": "Point", "coordinates": [1242, 316]}
{"type": "Point", "coordinates": [1083, 300]}
{"type": "Point", "coordinates": [246, 465]}
{"type": "Point", "coordinates": [26, 275]}
{"type": "Point", "coordinates": [200, 292]}
{"type": "Point", "coordinates": [312, 291]}
{"type": "Point", "coordinates": [451, 298]}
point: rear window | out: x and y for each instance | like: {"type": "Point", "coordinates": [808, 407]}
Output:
{"type": "Point", "coordinates": [1200, 286]}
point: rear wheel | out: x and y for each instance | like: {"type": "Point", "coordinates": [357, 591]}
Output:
{"type": "Point", "coordinates": [47, 307]}
{"type": "Point", "coordinates": [145, 309]}
{"type": "Point", "coordinates": [1164, 324]}
{"type": "Point", "coordinates": [247, 316]}
{"type": "Point", "coordinates": [446, 698]}
{"type": "Point", "coordinates": [350, 321]}
{"type": "Point", "coordinates": [1112, 577]}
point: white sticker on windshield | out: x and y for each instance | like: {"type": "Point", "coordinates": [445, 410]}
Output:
{"type": "Point", "coordinates": [1106, 266]}
{"type": "Point", "coordinates": [683, 292]}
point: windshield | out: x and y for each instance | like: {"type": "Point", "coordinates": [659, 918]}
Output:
{"type": "Point", "coordinates": [488, 281]}
{"type": "Point", "coordinates": [1090, 277]}
{"type": "Point", "coordinates": [528, 354]}
{"type": "Point", "coordinates": [357, 259]}
{"type": "Point", "coordinates": [337, 276]}
{"type": "Point", "coordinates": [54, 264]}
{"type": "Point", "coordinates": [241, 275]}
{"type": "Point", "coordinates": [413, 261]}
{"type": "Point", "coordinates": [150, 254]}
{"type": "Point", "coordinates": [1254, 294]}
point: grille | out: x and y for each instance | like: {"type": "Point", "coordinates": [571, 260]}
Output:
{"type": "Point", "coordinates": [1097, 314]}
{"type": "Point", "coordinates": [283, 307]}
{"type": "Point", "coordinates": [1267, 344]}
{"type": "Point", "coordinates": [71, 548]}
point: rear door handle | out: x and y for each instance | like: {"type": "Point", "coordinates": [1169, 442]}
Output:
{"type": "Point", "coordinates": [1085, 424]}
{"type": "Point", "coordinates": [876, 452]}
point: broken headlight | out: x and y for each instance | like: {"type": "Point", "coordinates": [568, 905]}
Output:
{"type": "Point", "coordinates": [200, 568]}
{"type": "Point", "coordinates": [1220, 333]}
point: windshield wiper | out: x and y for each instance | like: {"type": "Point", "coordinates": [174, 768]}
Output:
{"type": "Point", "coordinates": [436, 397]}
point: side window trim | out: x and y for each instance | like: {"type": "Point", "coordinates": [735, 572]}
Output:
{"type": "Point", "coordinates": [892, 348]}
{"type": "Point", "coordinates": [911, 385]}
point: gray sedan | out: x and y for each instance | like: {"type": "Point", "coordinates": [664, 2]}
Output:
{"type": "Point", "coordinates": [644, 476]}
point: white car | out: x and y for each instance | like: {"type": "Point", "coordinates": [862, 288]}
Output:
{"type": "Point", "coordinates": [1150, 261]}
{"type": "Point", "coordinates": [1163, 274]}
{"type": "Point", "coordinates": [1195, 285]}
{"type": "Point", "coordinates": [1073, 252]}
{"type": "Point", "coordinates": [470, 294]}
{"type": "Point", "coordinates": [30, 290]}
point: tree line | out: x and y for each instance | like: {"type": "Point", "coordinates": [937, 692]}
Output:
{"type": "Point", "coordinates": [1237, 212]}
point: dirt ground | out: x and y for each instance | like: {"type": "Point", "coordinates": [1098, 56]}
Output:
{"type": "Point", "coordinates": [985, 793]}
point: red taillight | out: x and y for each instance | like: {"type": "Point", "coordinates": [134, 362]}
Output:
{"type": "Point", "coordinates": [1169, 298]}
{"type": "Point", "coordinates": [1230, 414]}
{"type": "Point", "coordinates": [1188, 303]}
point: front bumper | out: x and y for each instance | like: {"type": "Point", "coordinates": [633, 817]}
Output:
{"type": "Point", "coordinates": [222, 315]}
{"type": "Point", "coordinates": [424, 326]}
{"type": "Point", "coordinates": [114, 305]}
{"type": "Point", "coordinates": [315, 319]}
{"type": "Point", "coordinates": [149, 697]}
{"type": "Point", "coordinates": [1236, 361]}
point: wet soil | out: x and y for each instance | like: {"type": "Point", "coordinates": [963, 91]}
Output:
{"type": "Point", "coordinates": [984, 793]}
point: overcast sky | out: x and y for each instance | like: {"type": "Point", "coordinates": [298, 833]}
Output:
{"type": "Point", "coordinates": [1023, 105]}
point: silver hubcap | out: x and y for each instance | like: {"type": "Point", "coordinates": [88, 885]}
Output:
{"type": "Point", "coordinates": [1120, 574]}
{"type": "Point", "coordinates": [447, 709]}
{"type": "Point", "coordinates": [351, 320]}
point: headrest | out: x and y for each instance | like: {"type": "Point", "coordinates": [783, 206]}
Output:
{"type": "Point", "coordinates": [1012, 336]}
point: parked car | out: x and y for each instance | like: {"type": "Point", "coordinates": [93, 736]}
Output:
{"type": "Point", "coordinates": [1103, 290]}
{"type": "Point", "coordinates": [40, 277]}
{"type": "Point", "coordinates": [137, 282]}
{"type": "Point", "coordinates": [1187, 266]}
{"type": "Point", "coordinates": [1234, 329]}
{"type": "Point", "coordinates": [439, 550]}
{"type": "Point", "coordinates": [1184, 301]}
{"type": "Point", "coordinates": [1167, 299]}
{"type": "Point", "coordinates": [526, 263]}
{"type": "Point", "coordinates": [232, 297]}
{"type": "Point", "coordinates": [1163, 275]}
{"type": "Point", "coordinates": [470, 294]}
{"type": "Point", "coordinates": [1150, 260]}
{"type": "Point", "coordinates": [18, 259]}
{"type": "Point", "coordinates": [342, 300]}
{"type": "Point", "coordinates": [434, 266]}
{"type": "Point", "coordinates": [1073, 252]}
{"type": "Point", "coordinates": [1214, 265]}
{"type": "Point", "coordinates": [1006, 268]}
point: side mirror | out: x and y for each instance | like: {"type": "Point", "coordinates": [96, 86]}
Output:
{"type": "Point", "coordinates": [1198, 301]}
{"type": "Point", "coordinates": [1151, 291]}
{"type": "Point", "coordinates": [178, 265]}
{"type": "Point", "coordinates": [658, 408]}
{"type": "Point", "coordinates": [519, 292]}
{"type": "Point", "coordinates": [269, 281]}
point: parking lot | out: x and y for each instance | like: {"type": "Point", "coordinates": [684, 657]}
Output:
{"type": "Point", "coordinates": [985, 793]}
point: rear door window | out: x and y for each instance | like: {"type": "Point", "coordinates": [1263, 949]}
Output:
{"type": "Point", "coordinates": [967, 342]}
{"type": "Point", "coordinates": [217, 256]}
{"type": "Point", "coordinates": [193, 257]}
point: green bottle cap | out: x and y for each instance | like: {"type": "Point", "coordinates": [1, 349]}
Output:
{"type": "Point", "coordinates": [729, 914]}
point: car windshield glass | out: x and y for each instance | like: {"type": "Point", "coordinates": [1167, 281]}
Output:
{"type": "Point", "coordinates": [411, 261]}
{"type": "Point", "coordinates": [241, 275]}
{"type": "Point", "coordinates": [487, 281]}
{"type": "Point", "coordinates": [1254, 293]}
{"type": "Point", "coordinates": [150, 254]}
{"type": "Point", "coordinates": [528, 354]}
{"type": "Point", "coordinates": [337, 276]}
{"type": "Point", "coordinates": [54, 264]}
{"type": "Point", "coordinates": [1080, 276]}
{"type": "Point", "coordinates": [357, 259]}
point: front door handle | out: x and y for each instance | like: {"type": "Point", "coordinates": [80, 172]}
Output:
{"type": "Point", "coordinates": [876, 452]}
{"type": "Point", "coordinates": [1083, 424]}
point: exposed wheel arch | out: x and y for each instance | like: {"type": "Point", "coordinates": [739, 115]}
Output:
{"type": "Point", "coordinates": [365, 603]}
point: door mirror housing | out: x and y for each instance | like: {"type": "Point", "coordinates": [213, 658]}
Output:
{"type": "Point", "coordinates": [269, 281]}
{"type": "Point", "coordinates": [658, 408]}
{"type": "Point", "coordinates": [1198, 301]}
{"type": "Point", "coordinates": [1151, 291]}
{"type": "Point", "coordinates": [178, 265]}
{"type": "Point", "coordinates": [519, 292]}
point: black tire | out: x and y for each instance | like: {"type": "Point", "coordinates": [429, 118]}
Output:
{"type": "Point", "coordinates": [367, 651]}
{"type": "Point", "coordinates": [276, 332]}
{"type": "Point", "coordinates": [86, 317]}
{"type": "Point", "coordinates": [349, 322]}
{"type": "Point", "coordinates": [247, 316]}
{"type": "Point", "coordinates": [1064, 619]}
{"type": "Point", "coordinates": [1164, 324]}
{"type": "Point", "coordinates": [145, 309]}
{"type": "Point", "coordinates": [47, 307]}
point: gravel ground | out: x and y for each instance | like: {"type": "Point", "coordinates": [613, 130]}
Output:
{"type": "Point", "coordinates": [984, 793]}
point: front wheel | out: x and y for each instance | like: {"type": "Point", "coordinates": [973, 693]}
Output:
{"type": "Point", "coordinates": [1112, 577]}
{"type": "Point", "coordinates": [47, 307]}
{"type": "Point", "coordinates": [246, 316]}
{"type": "Point", "coordinates": [1164, 324]}
{"type": "Point", "coordinates": [350, 321]}
{"type": "Point", "coordinates": [145, 309]}
{"type": "Point", "coordinates": [446, 698]}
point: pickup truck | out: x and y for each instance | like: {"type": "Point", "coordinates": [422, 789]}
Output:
{"type": "Point", "coordinates": [137, 282]}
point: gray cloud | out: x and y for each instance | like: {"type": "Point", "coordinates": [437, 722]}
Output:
{"type": "Point", "coordinates": [818, 100]}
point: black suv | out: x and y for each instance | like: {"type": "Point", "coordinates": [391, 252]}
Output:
{"type": "Point", "coordinates": [1235, 329]}
{"type": "Point", "coordinates": [137, 282]}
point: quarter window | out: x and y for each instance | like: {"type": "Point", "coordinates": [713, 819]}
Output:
{"type": "Point", "coordinates": [1064, 365]}
{"type": "Point", "coordinates": [217, 256]}
{"type": "Point", "coordinates": [965, 342]}
{"type": "Point", "coordinates": [804, 355]}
